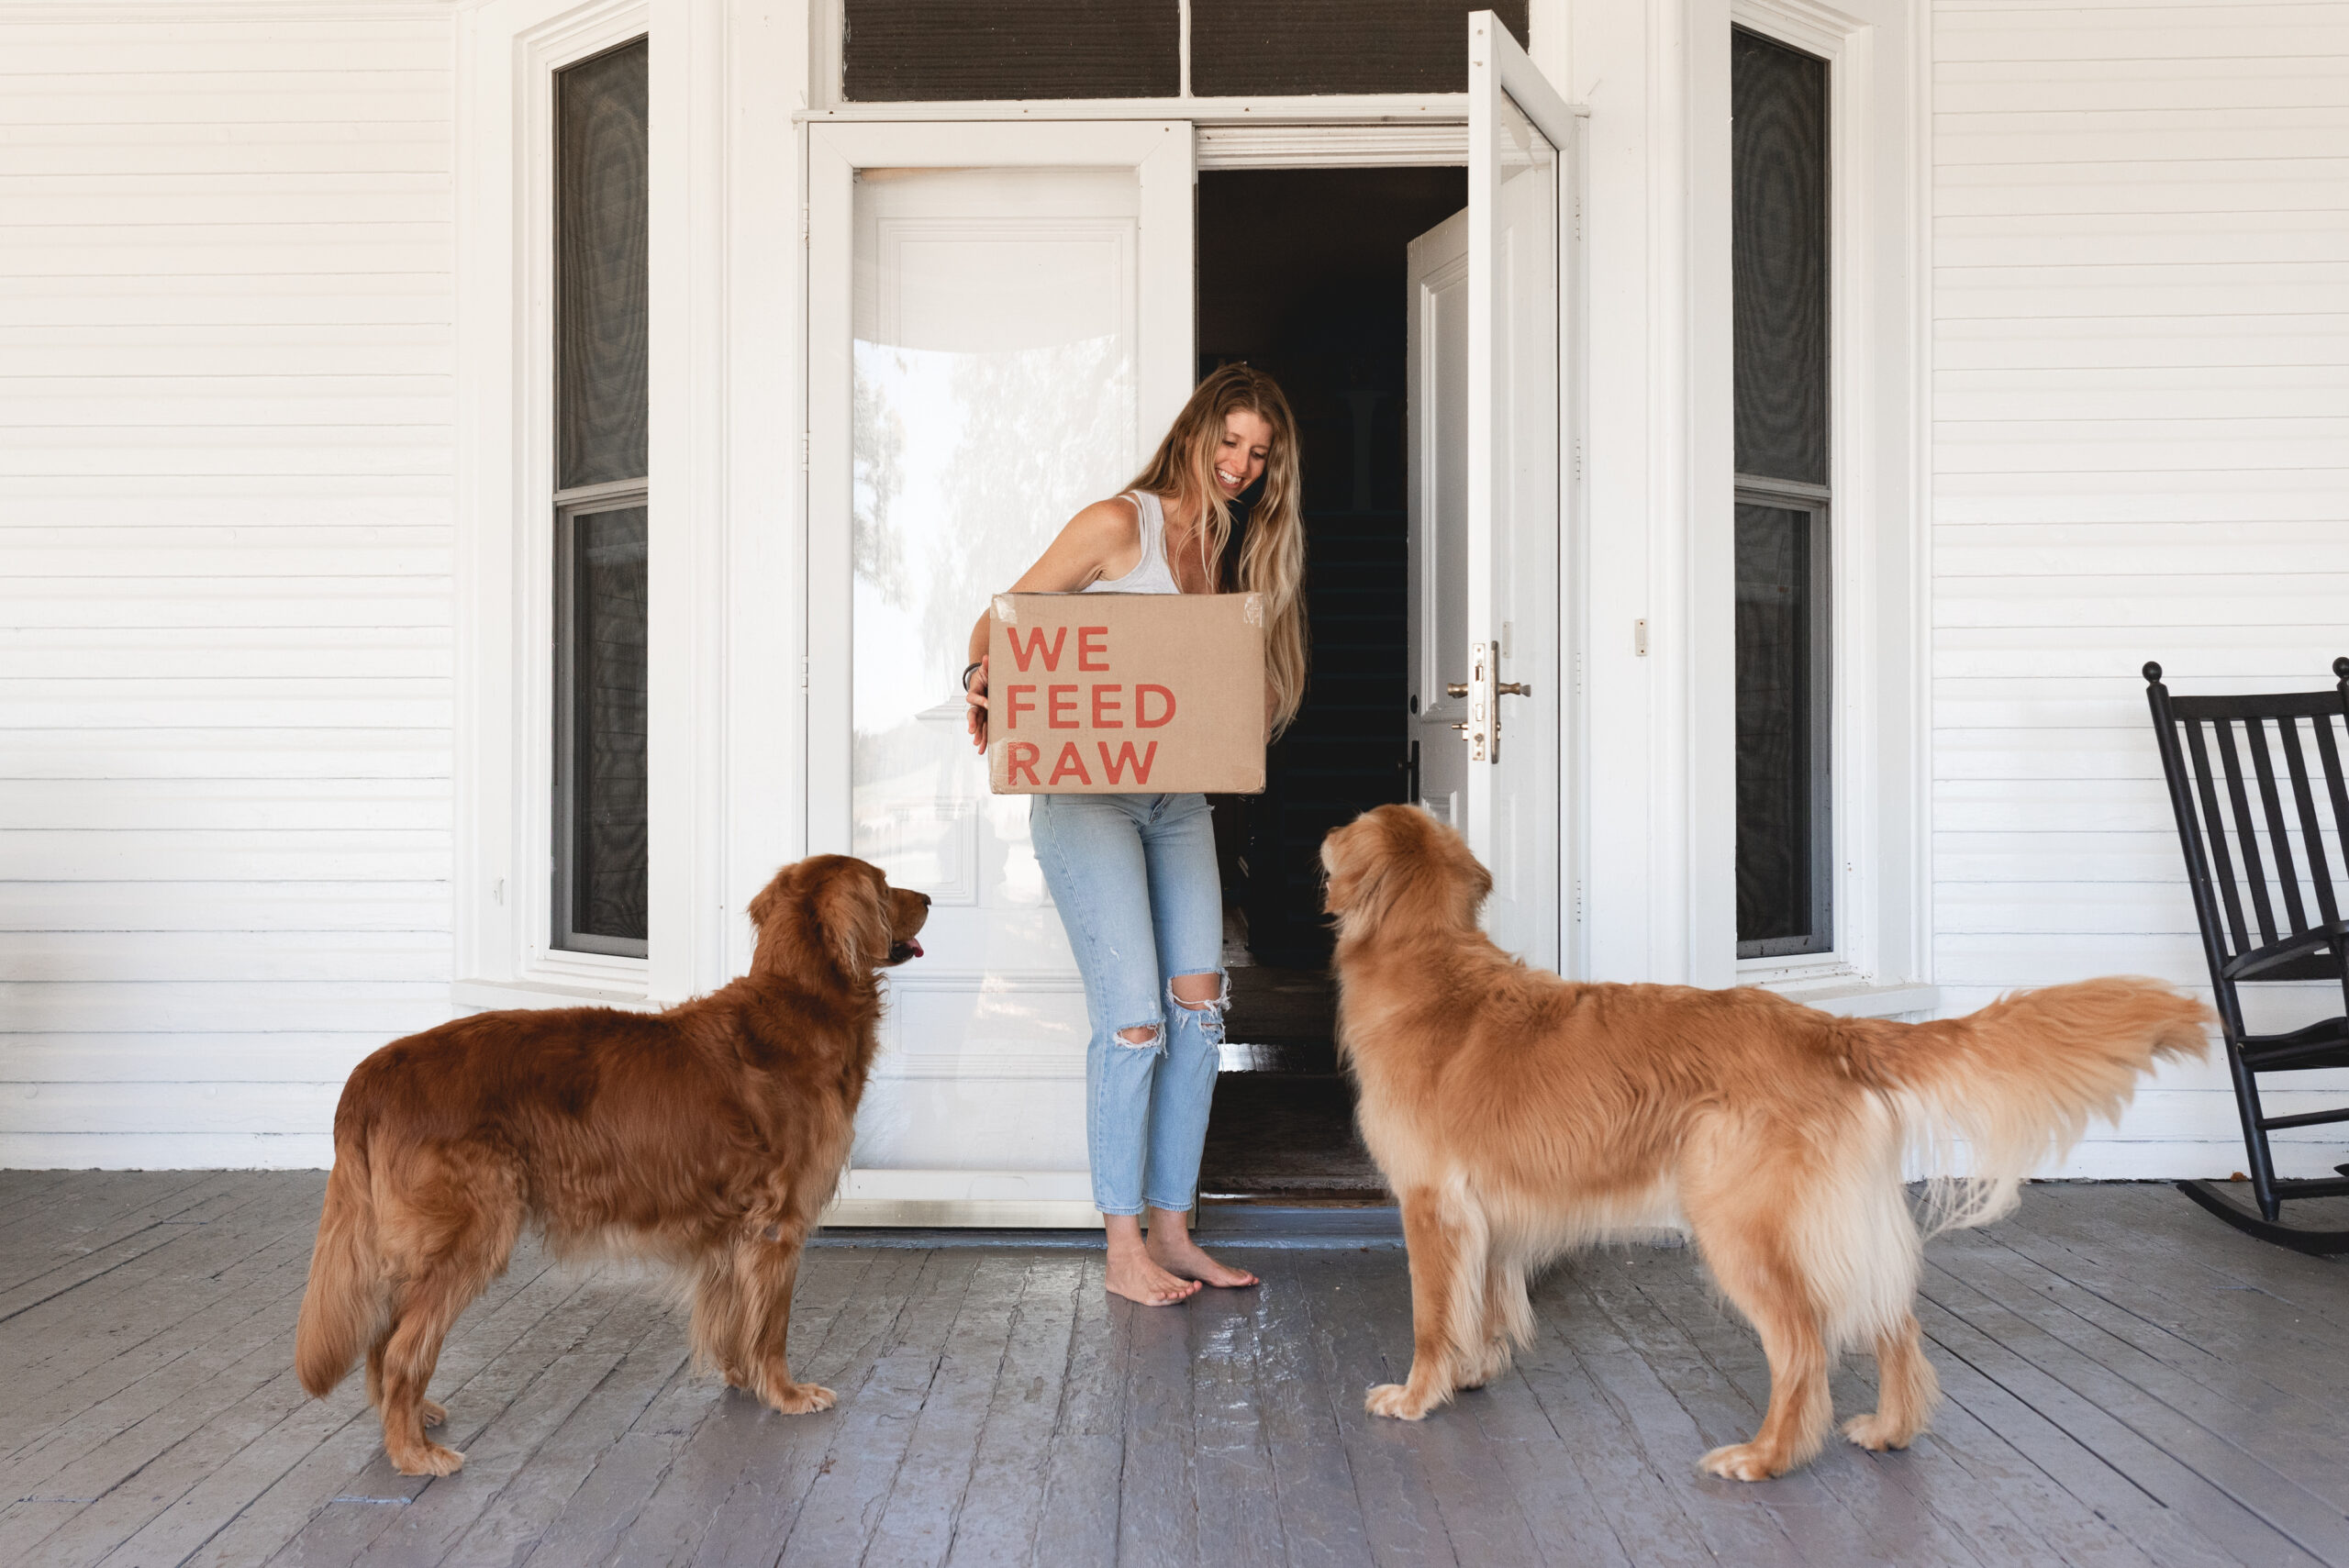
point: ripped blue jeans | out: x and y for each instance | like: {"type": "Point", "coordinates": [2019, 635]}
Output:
{"type": "Point", "coordinates": [1135, 878]}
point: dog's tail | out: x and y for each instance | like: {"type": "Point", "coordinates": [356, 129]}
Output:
{"type": "Point", "coordinates": [345, 1306]}
{"type": "Point", "coordinates": [2017, 1081]}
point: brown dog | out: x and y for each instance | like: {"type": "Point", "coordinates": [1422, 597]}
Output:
{"type": "Point", "coordinates": [708, 1137]}
{"type": "Point", "coordinates": [1517, 1115]}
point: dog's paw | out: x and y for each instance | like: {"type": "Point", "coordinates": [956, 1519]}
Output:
{"type": "Point", "coordinates": [1742, 1462]}
{"type": "Point", "coordinates": [433, 1412]}
{"type": "Point", "coordinates": [801, 1398]}
{"type": "Point", "coordinates": [1873, 1431]}
{"type": "Point", "coordinates": [1490, 1363]}
{"type": "Point", "coordinates": [431, 1458]}
{"type": "Point", "coordinates": [1396, 1399]}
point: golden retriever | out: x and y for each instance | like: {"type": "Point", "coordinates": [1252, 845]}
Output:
{"type": "Point", "coordinates": [1517, 1115]}
{"type": "Point", "coordinates": [708, 1137]}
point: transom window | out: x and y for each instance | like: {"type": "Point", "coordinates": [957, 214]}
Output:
{"type": "Point", "coordinates": [900, 50]}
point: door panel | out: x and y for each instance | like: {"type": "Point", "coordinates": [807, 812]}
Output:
{"type": "Point", "coordinates": [1515, 519]}
{"type": "Point", "coordinates": [1437, 281]}
{"type": "Point", "coordinates": [1492, 756]}
{"type": "Point", "coordinates": [986, 357]}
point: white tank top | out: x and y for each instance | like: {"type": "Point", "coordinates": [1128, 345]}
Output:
{"type": "Point", "coordinates": [1151, 574]}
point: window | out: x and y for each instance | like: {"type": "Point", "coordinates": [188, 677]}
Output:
{"type": "Point", "coordinates": [1245, 47]}
{"type": "Point", "coordinates": [600, 503]}
{"type": "Point", "coordinates": [1784, 543]}
{"type": "Point", "coordinates": [895, 50]}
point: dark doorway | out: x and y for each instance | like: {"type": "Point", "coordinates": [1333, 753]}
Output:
{"type": "Point", "coordinates": [1301, 274]}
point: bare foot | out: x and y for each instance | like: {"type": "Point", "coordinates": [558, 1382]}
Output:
{"type": "Point", "coordinates": [1133, 1275]}
{"type": "Point", "coordinates": [1174, 1251]}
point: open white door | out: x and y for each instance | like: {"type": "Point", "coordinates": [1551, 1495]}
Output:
{"type": "Point", "coordinates": [999, 318]}
{"type": "Point", "coordinates": [1488, 516]}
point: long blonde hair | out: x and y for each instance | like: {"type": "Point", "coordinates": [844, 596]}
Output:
{"type": "Point", "coordinates": [1272, 556]}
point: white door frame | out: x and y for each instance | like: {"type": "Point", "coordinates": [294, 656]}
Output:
{"type": "Point", "coordinates": [1165, 151]}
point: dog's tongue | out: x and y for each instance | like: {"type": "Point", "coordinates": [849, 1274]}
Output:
{"type": "Point", "coordinates": [914, 946]}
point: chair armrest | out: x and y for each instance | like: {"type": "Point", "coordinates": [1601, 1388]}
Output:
{"type": "Point", "coordinates": [2285, 952]}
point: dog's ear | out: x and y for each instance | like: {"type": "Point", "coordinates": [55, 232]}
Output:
{"type": "Point", "coordinates": [770, 898]}
{"type": "Point", "coordinates": [770, 914]}
{"type": "Point", "coordinates": [1361, 859]}
{"type": "Point", "coordinates": [852, 906]}
{"type": "Point", "coordinates": [1342, 869]}
{"type": "Point", "coordinates": [1475, 882]}
{"type": "Point", "coordinates": [1397, 862]}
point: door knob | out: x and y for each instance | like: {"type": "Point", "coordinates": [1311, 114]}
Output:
{"type": "Point", "coordinates": [1514, 689]}
{"type": "Point", "coordinates": [1456, 689]}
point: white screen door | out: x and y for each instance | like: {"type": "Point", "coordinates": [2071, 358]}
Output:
{"type": "Point", "coordinates": [999, 319]}
{"type": "Point", "coordinates": [1488, 505]}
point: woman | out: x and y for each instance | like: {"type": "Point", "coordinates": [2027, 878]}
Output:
{"type": "Point", "coordinates": [1134, 875]}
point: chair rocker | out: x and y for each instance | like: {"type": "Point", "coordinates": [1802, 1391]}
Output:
{"type": "Point", "coordinates": [2234, 856]}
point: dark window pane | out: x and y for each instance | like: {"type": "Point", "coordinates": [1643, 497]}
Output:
{"type": "Point", "coordinates": [607, 724]}
{"type": "Point", "coordinates": [1244, 48]}
{"type": "Point", "coordinates": [1781, 731]}
{"type": "Point", "coordinates": [600, 279]}
{"type": "Point", "coordinates": [1779, 160]}
{"type": "Point", "coordinates": [893, 50]}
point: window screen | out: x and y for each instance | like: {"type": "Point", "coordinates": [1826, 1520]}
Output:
{"type": "Point", "coordinates": [600, 274]}
{"type": "Point", "coordinates": [601, 776]}
{"type": "Point", "coordinates": [1246, 48]}
{"type": "Point", "coordinates": [1781, 754]}
{"type": "Point", "coordinates": [1784, 543]}
{"type": "Point", "coordinates": [600, 503]}
{"type": "Point", "coordinates": [895, 50]}
{"type": "Point", "coordinates": [898, 49]}
{"type": "Point", "coordinates": [1779, 152]}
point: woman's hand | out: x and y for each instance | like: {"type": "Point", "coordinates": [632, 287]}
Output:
{"type": "Point", "coordinates": [1102, 540]}
{"type": "Point", "coordinates": [975, 694]}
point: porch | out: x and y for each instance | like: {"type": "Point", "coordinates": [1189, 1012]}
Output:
{"type": "Point", "coordinates": [2129, 1383]}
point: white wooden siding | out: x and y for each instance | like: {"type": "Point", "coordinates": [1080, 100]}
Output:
{"type": "Point", "coordinates": [2141, 450]}
{"type": "Point", "coordinates": [225, 512]}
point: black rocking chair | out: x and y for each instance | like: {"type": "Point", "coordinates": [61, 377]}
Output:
{"type": "Point", "coordinates": [2231, 853]}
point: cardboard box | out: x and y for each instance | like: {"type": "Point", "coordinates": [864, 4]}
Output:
{"type": "Point", "coordinates": [1126, 693]}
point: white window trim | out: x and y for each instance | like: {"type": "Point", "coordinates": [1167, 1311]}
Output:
{"type": "Point", "coordinates": [501, 887]}
{"type": "Point", "coordinates": [1880, 793]}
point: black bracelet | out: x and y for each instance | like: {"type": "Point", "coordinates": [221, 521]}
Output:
{"type": "Point", "coordinates": [967, 674]}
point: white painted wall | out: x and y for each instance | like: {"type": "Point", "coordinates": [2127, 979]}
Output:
{"type": "Point", "coordinates": [2141, 450]}
{"type": "Point", "coordinates": [225, 536]}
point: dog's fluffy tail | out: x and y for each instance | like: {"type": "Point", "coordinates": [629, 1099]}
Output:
{"type": "Point", "coordinates": [2017, 1081]}
{"type": "Point", "coordinates": [344, 1307]}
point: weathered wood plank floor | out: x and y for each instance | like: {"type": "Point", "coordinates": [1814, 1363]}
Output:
{"type": "Point", "coordinates": [2130, 1384]}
